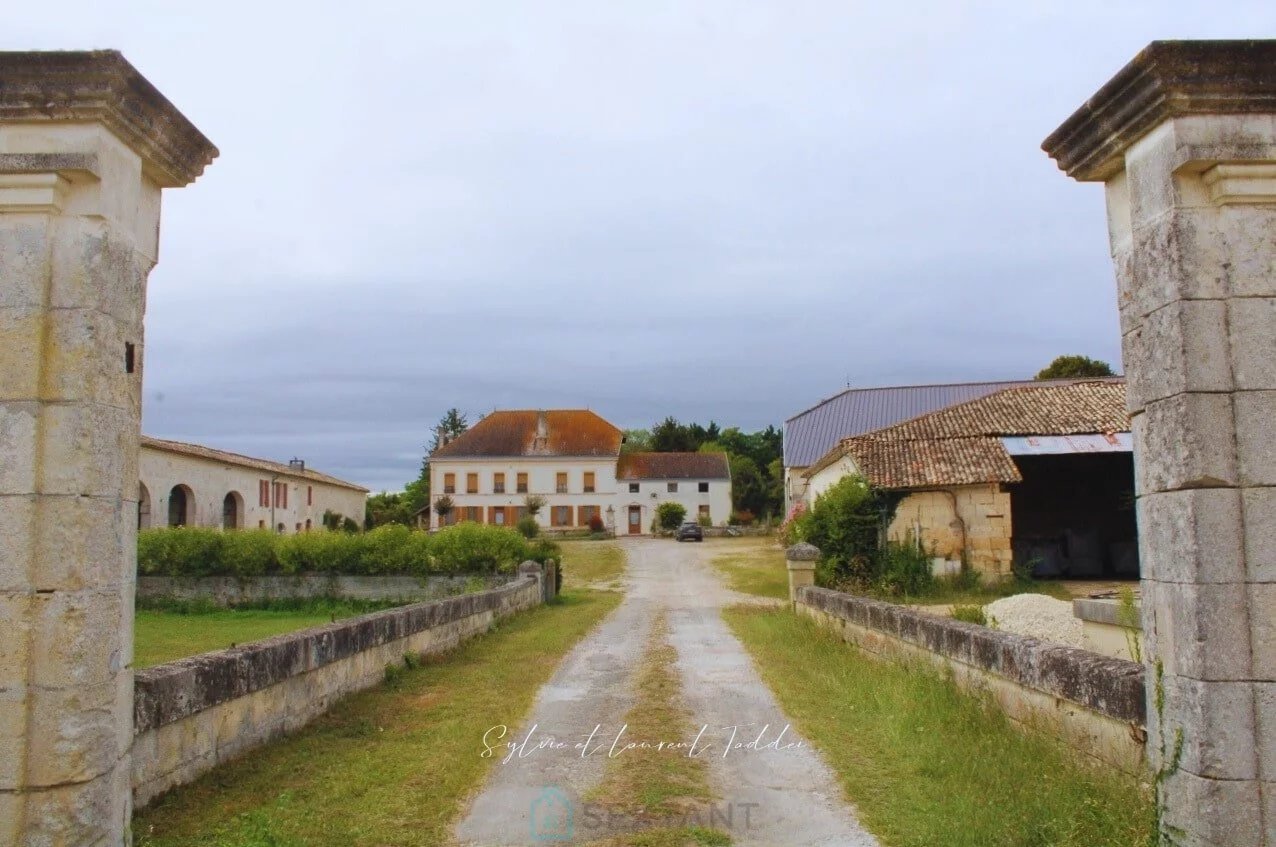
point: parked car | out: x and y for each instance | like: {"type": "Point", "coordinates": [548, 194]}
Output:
{"type": "Point", "coordinates": [690, 532]}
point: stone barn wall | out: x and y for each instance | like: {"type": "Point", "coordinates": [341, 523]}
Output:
{"type": "Point", "coordinates": [977, 516]}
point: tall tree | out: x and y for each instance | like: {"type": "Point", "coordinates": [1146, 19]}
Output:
{"type": "Point", "coordinates": [452, 424]}
{"type": "Point", "coordinates": [669, 436]}
{"type": "Point", "coordinates": [1064, 367]}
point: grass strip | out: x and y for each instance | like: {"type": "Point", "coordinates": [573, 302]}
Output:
{"type": "Point", "coordinates": [390, 765]}
{"type": "Point", "coordinates": [926, 764]}
{"type": "Point", "coordinates": [755, 569]}
{"type": "Point", "coordinates": [591, 564]}
{"type": "Point", "coordinates": [658, 792]}
{"type": "Point", "coordinates": [160, 637]}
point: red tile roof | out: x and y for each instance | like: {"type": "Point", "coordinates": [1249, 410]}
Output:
{"type": "Point", "coordinates": [673, 466]}
{"type": "Point", "coordinates": [961, 445]}
{"type": "Point", "coordinates": [528, 432]}
{"type": "Point", "coordinates": [199, 451]}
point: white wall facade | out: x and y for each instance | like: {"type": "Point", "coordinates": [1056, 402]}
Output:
{"type": "Point", "coordinates": [825, 478]}
{"type": "Point", "coordinates": [207, 482]}
{"type": "Point", "coordinates": [542, 474]}
{"type": "Point", "coordinates": [652, 492]}
{"type": "Point", "coordinates": [542, 477]}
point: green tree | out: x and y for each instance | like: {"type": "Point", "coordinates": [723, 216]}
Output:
{"type": "Point", "coordinates": [636, 441]}
{"type": "Point", "coordinates": [451, 425]}
{"type": "Point", "coordinates": [1075, 366]}
{"type": "Point", "coordinates": [669, 436]}
{"type": "Point", "coordinates": [387, 508]}
{"type": "Point", "coordinates": [847, 523]}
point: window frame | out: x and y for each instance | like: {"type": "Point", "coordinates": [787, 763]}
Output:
{"type": "Point", "coordinates": [704, 487]}
{"type": "Point", "coordinates": [561, 483]}
{"type": "Point", "coordinates": [671, 488]}
{"type": "Point", "coordinates": [449, 483]}
{"type": "Point", "coordinates": [498, 483]}
{"type": "Point", "coordinates": [472, 483]}
{"type": "Point", "coordinates": [634, 488]}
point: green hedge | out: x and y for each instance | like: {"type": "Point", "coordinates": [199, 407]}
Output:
{"type": "Point", "coordinates": [393, 549]}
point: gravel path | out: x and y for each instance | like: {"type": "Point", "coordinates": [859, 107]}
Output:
{"type": "Point", "coordinates": [782, 792]}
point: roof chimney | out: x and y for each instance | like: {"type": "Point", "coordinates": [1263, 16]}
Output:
{"type": "Point", "coordinates": [296, 464]}
{"type": "Point", "coordinates": [541, 440]}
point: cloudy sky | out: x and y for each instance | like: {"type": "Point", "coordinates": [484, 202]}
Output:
{"type": "Point", "coordinates": [723, 210]}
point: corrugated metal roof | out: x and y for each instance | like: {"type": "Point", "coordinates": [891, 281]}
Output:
{"type": "Point", "coordinates": [811, 434]}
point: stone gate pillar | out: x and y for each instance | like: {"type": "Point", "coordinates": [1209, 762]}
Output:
{"type": "Point", "coordinates": [1184, 139]}
{"type": "Point", "coordinates": [86, 145]}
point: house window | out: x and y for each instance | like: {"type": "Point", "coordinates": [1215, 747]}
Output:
{"type": "Point", "coordinates": [587, 513]}
{"type": "Point", "coordinates": [633, 488]}
{"type": "Point", "coordinates": [520, 512]}
{"type": "Point", "coordinates": [473, 513]}
{"type": "Point", "coordinates": [263, 493]}
{"type": "Point", "coordinates": [496, 516]}
{"type": "Point", "coordinates": [498, 483]}
{"type": "Point", "coordinates": [560, 483]}
{"type": "Point", "coordinates": [672, 488]}
{"type": "Point", "coordinates": [522, 483]}
{"type": "Point", "coordinates": [471, 483]}
{"type": "Point", "coordinates": [589, 482]}
{"type": "Point", "coordinates": [560, 516]}
{"type": "Point", "coordinates": [308, 525]}
{"type": "Point", "coordinates": [261, 524]}
{"type": "Point", "coordinates": [449, 483]}
{"type": "Point", "coordinates": [281, 495]}
{"type": "Point", "coordinates": [704, 488]}
{"type": "Point", "coordinates": [704, 512]}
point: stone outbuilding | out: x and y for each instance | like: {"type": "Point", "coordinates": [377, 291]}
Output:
{"type": "Point", "coordinates": [184, 484]}
{"type": "Point", "coordinates": [1040, 474]}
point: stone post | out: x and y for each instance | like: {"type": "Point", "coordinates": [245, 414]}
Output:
{"type": "Point", "coordinates": [800, 559]}
{"type": "Point", "coordinates": [1184, 140]}
{"type": "Point", "coordinates": [534, 570]}
{"type": "Point", "coordinates": [86, 145]}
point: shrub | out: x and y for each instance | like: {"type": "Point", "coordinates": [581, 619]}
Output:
{"type": "Point", "coordinates": [477, 547]}
{"type": "Point", "coordinates": [595, 523]}
{"type": "Point", "coordinates": [970, 614]}
{"type": "Point", "coordinates": [180, 551]}
{"type": "Point", "coordinates": [742, 517]}
{"type": "Point", "coordinates": [904, 569]}
{"type": "Point", "coordinates": [250, 553]}
{"type": "Point", "coordinates": [533, 503]}
{"type": "Point", "coordinates": [528, 527]}
{"type": "Point", "coordinates": [848, 523]}
{"type": "Point", "coordinates": [669, 515]}
{"type": "Point", "coordinates": [797, 525]}
{"type": "Point", "coordinates": [705, 521]}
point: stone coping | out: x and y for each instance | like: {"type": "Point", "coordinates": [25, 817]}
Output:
{"type": "Point", "coordinates": [1112, 687]}
{"type": "Point", "coordinates": [1104, 610]}
{"type": "Point", "coordinates": [1166, 79]}
{"type": "Point", "coordinates": [175, 690]}
{"type": "Point", "coordinates": [102, 86]}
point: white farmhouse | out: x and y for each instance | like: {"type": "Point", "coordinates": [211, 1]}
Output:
{"type": "Point", "coordinates": [191, 485]}
{"type": "Point", "coordinates": [571, 458]}
{"type": "Point", "coordinates": [701, 482]}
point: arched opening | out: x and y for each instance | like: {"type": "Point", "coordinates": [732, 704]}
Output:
{"type": "Point", "coordinates": [307, 524]}
{"type": "Point", "coordinates": [181, 506]}
{"type": "Point", "coordinates": [233, 511]}
{"type": "Point", "coordinates": [279, 529]}
{"type": "Point", "coordinates": [143, 507]}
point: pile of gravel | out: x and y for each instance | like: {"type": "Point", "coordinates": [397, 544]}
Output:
{"type": "Point", "coordinates": [1036, 615]}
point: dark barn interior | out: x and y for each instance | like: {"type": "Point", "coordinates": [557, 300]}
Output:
{"type": "Point", "coordinates": [1073, 516]}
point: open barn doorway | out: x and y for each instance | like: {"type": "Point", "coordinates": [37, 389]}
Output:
{"type": "Point", "coordinates": [1073, 516]}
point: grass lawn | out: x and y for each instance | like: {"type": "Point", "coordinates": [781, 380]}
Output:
{"type": "Point", "coordinates": [753, 566]}
{"type": "Point", "coordinates": [591, 563]}
{"type": "Point", "coordinates": [390, 765]}
{"type": "Point", "coordinates": [926, 764]}
{"type": "Point", "coordinates": [160, 637]}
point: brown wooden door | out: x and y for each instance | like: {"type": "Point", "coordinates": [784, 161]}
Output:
{"type": "Point", "coordinates": [635, 520]}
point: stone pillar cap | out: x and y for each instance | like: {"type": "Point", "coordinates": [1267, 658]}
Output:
{"type": "Point", "coordinates": [101, 86]}
{"type": "Point", "coordinates": [802, 552]}
{"type": "Point", "coordinates": [530, 567]}
{"type": "Point", "coordinates": [1167, 79]}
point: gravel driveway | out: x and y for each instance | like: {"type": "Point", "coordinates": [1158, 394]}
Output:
{"type": "Point", "coordinates": [772, 788]}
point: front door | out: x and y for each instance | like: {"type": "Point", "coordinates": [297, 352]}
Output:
{"type": "Point", "coordinates": [635, 520]}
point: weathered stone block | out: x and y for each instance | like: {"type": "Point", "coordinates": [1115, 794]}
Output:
{"type": "Point", "coordinates": [1217, 720]}
{"type": "Point", "coordinates": [1262, 622]}
{"type": "Point", "coordinates": [1256, 436]}
{"type": "Point", "coordinates": [17, 450]}
{"type": "Point", "coordinates": [95, 268]}
{"type": "Point", "coordinates": [1252, 333]}
{"type": "Point", "coordinates": [77, 638]}
{"type": "Point", "coordinates": [1180, 347]}
{"type": "Point", "coordinates": [17, 516]}
{"type": "Point", "coordinates": [24, 243]}
{"type": "Point", "coordinates": [1186, 441]}
{"type": "Point", "coordinates": [21, 335]}
{"type": "Point", "coordinates": [1177, 255]}
{"type": "Point", "coordinates": [1265, 729]}
{"type": "Point", "coordinates": [76, 336]}
{"type": "Point", "coordinates": [1207, 812]}
{"type": "Point", "coordinates": [1197, 631]}
{"type": "Point", "coordinates": [13, 736]}
{"type": "Point", "coordinates": [1260, 533]}
{"type": "Point", "coordinates": [1246, 231]}
{"type": "Point", "coordinates": [76, 736]}
{"type": "Point", "coordinates": [95, 812]}
{"type": "Point", "coordinates": [1198, 535]}
{"type": "Point", "coordinates": [82, 542]}
{"type": "Point", "coordinates": [90, 450]}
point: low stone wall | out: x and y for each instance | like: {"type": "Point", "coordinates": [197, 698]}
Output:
{"type": "Point", "coordinates": [193, 714]}
{"type": "Point", "coordinates": [233, 591]}
{"type": "Point", "coordinates": [1094, 703]}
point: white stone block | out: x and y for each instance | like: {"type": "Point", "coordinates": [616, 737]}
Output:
{"type": "Point", "coordinates": [1256, 436]}
{"type": "Point", "coordinates": [1260, 533]}
{"type": "Point", "coordinates": [1198, 631]}
{"type": "Point", "coordinates": [1186, 441]}
{"type": "Point", "coordinates": [1193, 535]}
{"type": "Point", "coordinates": [1252, 330]}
